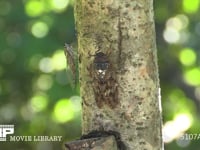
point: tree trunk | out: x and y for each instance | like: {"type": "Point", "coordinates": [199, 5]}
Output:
{"type": "Point", "coordinates": [124, 31]}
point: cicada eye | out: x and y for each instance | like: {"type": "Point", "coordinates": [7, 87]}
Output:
{"type": "Point", "coordinates": [97, 66]}
{"type": "Point", "coordinates": [105, 66]}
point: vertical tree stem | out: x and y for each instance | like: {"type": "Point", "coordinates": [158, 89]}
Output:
{"type": "Point", "coordinates": [126, 28]}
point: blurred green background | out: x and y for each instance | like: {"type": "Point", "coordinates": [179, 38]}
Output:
{"type": "Point", "coordinates": [35, 94]}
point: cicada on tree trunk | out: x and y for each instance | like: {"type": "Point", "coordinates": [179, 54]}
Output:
{"type": "Point", "coordinates": [104, 81]}
{"type": "Point", "coordinates": [72, 65]}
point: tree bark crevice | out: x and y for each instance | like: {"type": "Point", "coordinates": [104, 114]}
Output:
{"type": "Point", "coordinates": [119, 38]}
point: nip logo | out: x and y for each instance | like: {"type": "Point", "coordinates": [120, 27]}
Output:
{"type": "Point", "coordinates": [5, 130]}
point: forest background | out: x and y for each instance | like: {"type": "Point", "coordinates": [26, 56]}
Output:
{"type": "Point", "coordinates": [35, 91]}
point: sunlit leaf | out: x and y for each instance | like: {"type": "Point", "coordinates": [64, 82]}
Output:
{"type": "Point", "coordinates": [192, 76]}
{"type": "Point", "coordinates": [38, 103]}
{"type": "Point", "coordinates": [45, 65]}
{"type": "Point", "coordinates": [190, 6]}
{"type": "Point", "coordinates": [44, 82]}
{"type": "Point", "coordinates": [63, 111]}
{"type": "Point", "coordinates": [59, 5]}
{"type": "Point", "coordinates": [187, 56]}
{"type": "Point", "coordinates": [58, 60]}
{"type": "Point", "coordinates": [34, 8]}
{"type": "Point", "coordinates": [40, 29]}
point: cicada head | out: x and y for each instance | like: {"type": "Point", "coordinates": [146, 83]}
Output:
{"type": "Point", "coordinates": [101, 64]}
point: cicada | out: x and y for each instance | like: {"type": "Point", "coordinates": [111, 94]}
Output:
{"type": "Point", "coordinates": [72, 63]}
{"type": "Point", "coordinates": [104, 81]}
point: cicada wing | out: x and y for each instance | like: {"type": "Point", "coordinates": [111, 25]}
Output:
{"type": "Point", "coordinates": [70, 79]}
{"type": "Point", "coordinates": [72, 65]}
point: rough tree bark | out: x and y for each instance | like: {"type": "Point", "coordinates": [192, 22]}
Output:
{"type": "Point", "coordinates": [124, 29]}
